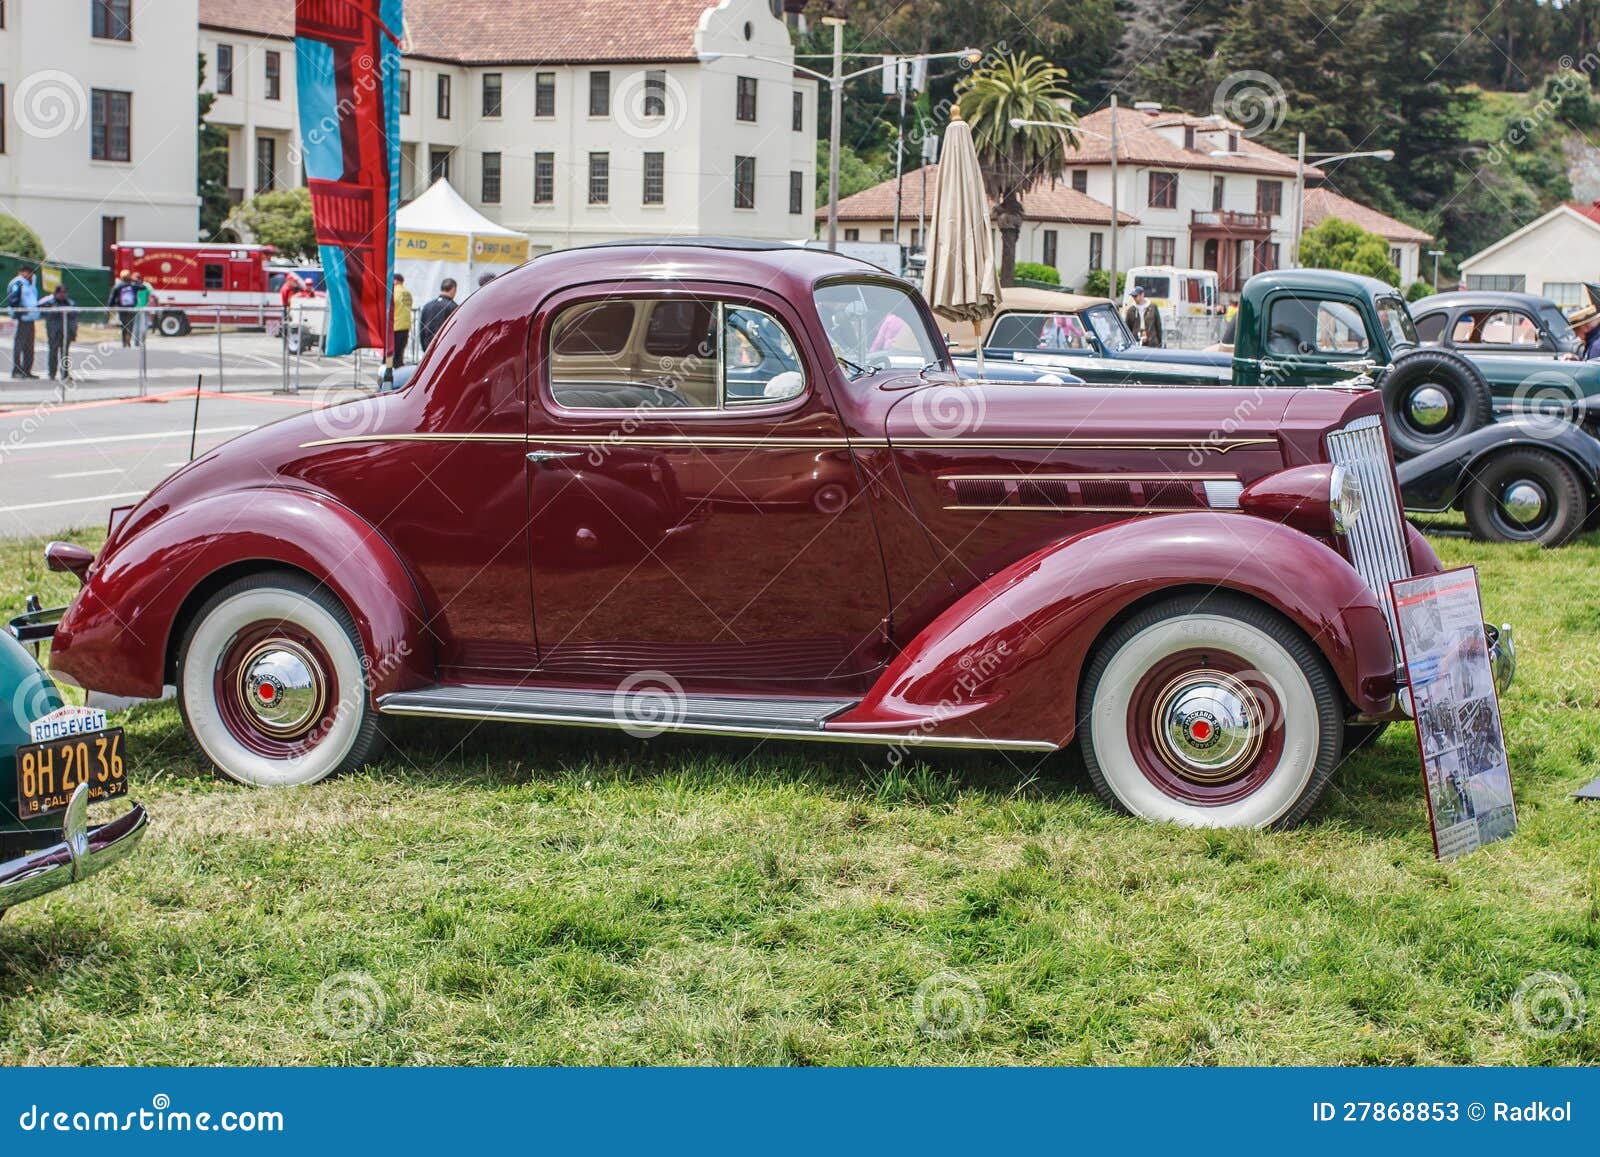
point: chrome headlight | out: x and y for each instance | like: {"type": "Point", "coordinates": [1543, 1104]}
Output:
{"type": "Point", "coordinates": [1346, 499]}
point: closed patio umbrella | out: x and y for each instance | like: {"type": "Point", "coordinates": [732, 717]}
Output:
{"type": "Point", "coordinates": [960, 282]}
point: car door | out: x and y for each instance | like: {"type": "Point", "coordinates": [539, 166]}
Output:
{"type": "Point", "coordinates": [1315, 339]}
{"type": "Point", "coordinates": [696, 510]}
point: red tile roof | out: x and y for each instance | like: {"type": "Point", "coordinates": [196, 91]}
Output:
{"type": "Point", "coordinates": [508, 31]}
{"type": "Point", "coordinates": [1140, 142]}
{"type": "Point", "coordinates": [1044, 202]}
{"type": "Point", "coordinates": [1322, 203]}
{"type": "Point", "coordinates": [1591, 210]}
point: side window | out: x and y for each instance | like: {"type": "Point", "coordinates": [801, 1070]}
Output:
{"type": "Point", "coordinates": [1045, 331]}
{"type": "Point", "coordinates": [1496, 327]}
{"type": "Point", "coordinates": [679, 353]}
{"type": "Point", "coordinates": [1298, 325]}
{"type": "Point", "coordinates": [1430, 327]}
{"type": "Point", "coordinates": [214, 278]}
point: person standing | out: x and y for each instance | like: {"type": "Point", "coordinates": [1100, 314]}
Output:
{"type": "Point", "coordinates": [437, 312]}
{"type": "Point", "coordinates": [60, 330]}
{"type": "Point", "coordinates": [22, 296]}
{"type": "Point", "coordinates": [124, 296]}
{"type": "Point", "coordinates": [1144, 319]}
{"type": "Point", "coordinates": [402, 321]}
{"type": "Point", "coordinates": [143, 299]}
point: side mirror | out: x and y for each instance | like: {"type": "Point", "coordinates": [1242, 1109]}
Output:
{"type": "Point", "coordinates": [1308, 347]}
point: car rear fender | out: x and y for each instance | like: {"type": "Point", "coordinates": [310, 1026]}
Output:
{"type": "Point", "coordinates": [121, 632]}
{"type": "Point", "coordinates": [1434, 481]}
{"type": "Point", "coordinates": [1003, 662]}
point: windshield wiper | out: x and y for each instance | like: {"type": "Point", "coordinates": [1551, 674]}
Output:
{"type": "Point", "coordinates": [855, 370]}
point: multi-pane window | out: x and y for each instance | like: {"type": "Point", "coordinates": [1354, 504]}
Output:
{"type": "Point", "coordinates": [1219, 189]}
{"type": "Point", "coordinates": [655, 178]}
{"type": "Point", "coordinates": [442, 105]}
{"type": "Point", "coordinates": [655, 93]}
{"type": "Point", "coordinates": [493, 94]}
{"type": "Point", "coordinates": [491, 178]}
{"type": "Point", "coordinates": [599, 178]}
{"type": "Point", "coordinates": [745, 104]}
{"type": "Point", "coordinates": [544, 94]}
{"type": "Point", "coordinates": [438, 164]}
{"type": "Point", "coordinates": [1498, 282]}
{"type": "Point", "coordinates": [266, 164]}
{"type": "Point", "coordinates": [1163, 190]}
{"type": "Point", "coordinates": [111, 19]}
{"type": "Point", "coordinates": [1080, 180]}
{"type": "Point", "coordinates": [1097, 251]}
{"type": "Point", "coordinates": [744, 182]}
{"type": "Point", "coordinates": [599, 94]}
{"type": "Point", "coordinates": [224, 69]}
{"type": "Point", "coordinates": [111, 117]}
{"type": "Point", "coordinates": [886, 236]}
{"type": "Point", "coordinates": [405, 92]}
{"type": "Point", "coordinates": [274, 67]}
{"type": "Point", "coordinates": [1269, 197]}
{"type": "Point", "coordinates": [1050, 239]}
{"type": "Point", "coordinates": [544, 178]}
{"type": "Point", "coordinates": [798, 118]}
{"type": "Point", "coordinates": [797, 192]}
{"type": "Point", "coordinates": [1160, 250]}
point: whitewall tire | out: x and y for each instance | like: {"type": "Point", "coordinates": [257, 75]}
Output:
{"type": "Point", "coordinates": [1210, 711]}
{"type": "Point", "coordinates": [272, 683]}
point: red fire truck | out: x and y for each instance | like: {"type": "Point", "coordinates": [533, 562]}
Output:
{"type": "Point", "coordinates": [198, 284]}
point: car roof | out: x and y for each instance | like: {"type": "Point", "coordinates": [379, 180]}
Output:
{"type": "Point", "coordinates": [1481, 297]}
{"type": "Point", "coordinates": [1046, 300]}
{"type": "Point", "coordinates": [1327, 279]}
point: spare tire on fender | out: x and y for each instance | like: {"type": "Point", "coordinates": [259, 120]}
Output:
{"type": "Point", "coordinates": [1433, 396]}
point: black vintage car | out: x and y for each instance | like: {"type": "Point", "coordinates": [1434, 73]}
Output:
{"type": "Point", "coordinates": [1484, 321]}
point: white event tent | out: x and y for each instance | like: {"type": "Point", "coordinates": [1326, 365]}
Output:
{"type": "Point", "coordinates": [439, 235]}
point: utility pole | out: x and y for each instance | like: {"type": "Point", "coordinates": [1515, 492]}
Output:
{"type": "Point", "coordinates": [1116, 220]}
{"type": "Point", "coordinates": [836, 115]}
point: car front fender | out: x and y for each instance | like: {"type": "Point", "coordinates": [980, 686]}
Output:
{"type": "Point", "coordinates": [1433, 481]}
{"type": "Point", "coordinates": [1004, 661]}
{"type": "Point", "coordinates": [120, 633]}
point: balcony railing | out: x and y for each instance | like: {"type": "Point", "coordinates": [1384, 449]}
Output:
{"type": "Point", "coordinates": [1231, 221]}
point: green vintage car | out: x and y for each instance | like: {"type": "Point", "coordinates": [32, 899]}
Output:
{"type": "Point", "coordinates": [54, 761]}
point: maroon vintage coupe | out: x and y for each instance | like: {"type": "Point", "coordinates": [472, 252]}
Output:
{"type": "Point", "coordinates": [736, 489]}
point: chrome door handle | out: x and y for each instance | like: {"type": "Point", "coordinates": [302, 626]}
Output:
{"type": "Point", "coordinates": [552, 455]}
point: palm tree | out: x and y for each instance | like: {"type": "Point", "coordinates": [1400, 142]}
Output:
{"type": "Point", "coordinates": [1017, 87]}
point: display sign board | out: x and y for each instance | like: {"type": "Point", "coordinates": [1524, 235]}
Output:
{"type": "Point", "coordinates": [1464, 767]}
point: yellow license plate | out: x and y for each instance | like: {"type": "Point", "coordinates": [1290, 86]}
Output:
{"type": "Point", "coordinates": [48, 773]}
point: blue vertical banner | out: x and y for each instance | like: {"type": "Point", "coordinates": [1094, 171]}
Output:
{"type": "Point", "coordinates": [347, 55]}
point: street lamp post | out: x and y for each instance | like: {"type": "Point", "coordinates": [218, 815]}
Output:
{"type": "Point", "coordinates": [1436, 254]}
{"type": "Point", "coordinates": [1018, 123]}
{"type": "Point", "coordinates": [835, 83]}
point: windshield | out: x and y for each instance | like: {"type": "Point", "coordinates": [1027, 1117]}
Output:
{"type": "Point", "coordinates": [1396, 321]}
{"type": "Point", "coordinates": [1555, 321]}
{"type": "Point", "coordinates": [873, 326]}
{"type": "Point", "coordinates": [1108, 329]}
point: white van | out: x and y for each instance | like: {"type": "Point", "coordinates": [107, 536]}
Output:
{"type": "Point", "coordinates": [1177, 292]}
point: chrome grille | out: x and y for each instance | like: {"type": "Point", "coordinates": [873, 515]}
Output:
{"type": "Point", "coordinates": [1377, 541]}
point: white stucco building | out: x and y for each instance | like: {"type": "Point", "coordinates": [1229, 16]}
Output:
{"type": "Point", "coordinates": [1551, 256]}
{"type": "Point", "coordinates": [97, 137]}
{"type": "Point", "coordinates": [1405, 242]}
{"type": "Point", "coordinates": [568, 120]}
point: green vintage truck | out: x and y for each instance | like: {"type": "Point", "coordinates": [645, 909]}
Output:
{"type": "Point", "coordinates": [1508, 440]}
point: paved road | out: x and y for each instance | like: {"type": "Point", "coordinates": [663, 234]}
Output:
{"type": "Point", "coordinates": [67, 465]}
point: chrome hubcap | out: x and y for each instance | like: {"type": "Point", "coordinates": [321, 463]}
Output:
{"type": "Point", "coordinates": [1524, 501]}
{"type": "Point", "coordinates": [1208, 726]}
{"type": "Point", "coordinates": [1429, 407]}
{"type": "Point", "coordinates": [282, 688]}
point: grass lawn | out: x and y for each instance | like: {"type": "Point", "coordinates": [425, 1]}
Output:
{"type": "Point", "coordinates": [494, 894]}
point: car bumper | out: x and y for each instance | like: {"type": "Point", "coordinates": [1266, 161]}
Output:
{"type": "Point", "coordinates": [82, 852]}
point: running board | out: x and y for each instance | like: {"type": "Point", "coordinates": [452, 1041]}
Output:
{"type": "Point", "coordinates": [650, 711]}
